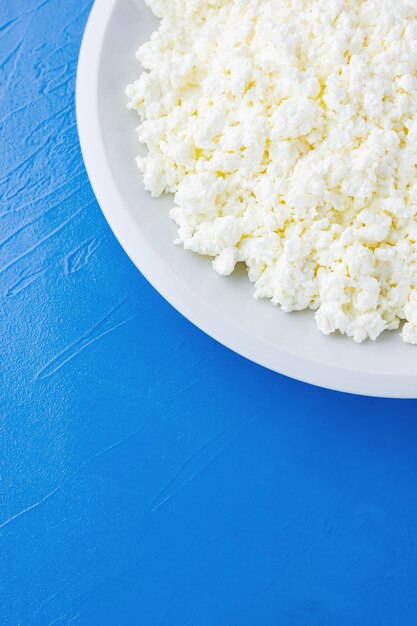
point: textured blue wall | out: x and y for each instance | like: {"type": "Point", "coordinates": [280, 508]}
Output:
{"type": "Point", "coordinates": [148, 475]}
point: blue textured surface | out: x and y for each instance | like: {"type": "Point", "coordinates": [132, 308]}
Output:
{"type": "Point", "coordinates": [149, 475]}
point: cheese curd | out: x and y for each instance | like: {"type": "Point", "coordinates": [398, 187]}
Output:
{"type": "Point", "coordinates": [287, 130]}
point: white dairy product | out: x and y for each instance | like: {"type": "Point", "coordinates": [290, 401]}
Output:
{"type": "Point", "coordinates": [287, 130]}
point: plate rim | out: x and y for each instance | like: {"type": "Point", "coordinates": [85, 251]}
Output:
{"type": "Point", "coordinates": [177, 293]}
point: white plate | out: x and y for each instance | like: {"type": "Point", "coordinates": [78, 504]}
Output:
{"type": "Point", "coordinates": [222, 307]}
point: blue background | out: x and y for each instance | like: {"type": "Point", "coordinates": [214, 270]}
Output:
{"type": "Point", "coordinates": [150, 476]}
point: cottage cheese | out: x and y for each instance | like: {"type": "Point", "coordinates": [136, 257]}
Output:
{"type": "Point", "coordinates": [287, 130]}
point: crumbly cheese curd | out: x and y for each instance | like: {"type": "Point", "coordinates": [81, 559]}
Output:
{"type": "Point", "coordinates": [287, 130]}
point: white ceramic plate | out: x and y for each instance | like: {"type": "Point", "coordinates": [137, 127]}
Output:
{"type": "Point", "coordinates": [222, 307]}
